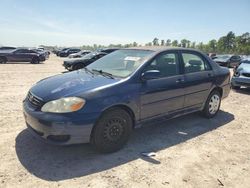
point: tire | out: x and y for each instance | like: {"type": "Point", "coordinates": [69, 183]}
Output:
{"type": "Point", "coordinates": [212, 105]}
{"type": "Point", "coordinates": [111, 131]}
{"type": "Point", "coordinates": [3, 60]}
{"type": "Point", "coordinates": [78, 66]}
{"type": "Point", "coordinates": [35, 60]}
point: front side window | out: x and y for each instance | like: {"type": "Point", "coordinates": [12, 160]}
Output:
{"type": "Point", "coordinates": [194, 63]}
{"type": "Point", "coordinates": [166, 64]}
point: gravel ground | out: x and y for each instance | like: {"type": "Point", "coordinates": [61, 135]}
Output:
{"type": "Point", "coordinates": [190, 151]}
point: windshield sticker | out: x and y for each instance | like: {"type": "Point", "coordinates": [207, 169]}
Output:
{"type": "Point", "coordinates": [130, 58]}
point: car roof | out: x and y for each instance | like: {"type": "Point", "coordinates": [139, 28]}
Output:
{"type": "Point", "coordinates": [161, 48]}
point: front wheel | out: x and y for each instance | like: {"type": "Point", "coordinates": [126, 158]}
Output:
{"type": "Point", "coordinates": [212, 105]}
{"type": "Point", "coordinates": [112, 131]}
{"type": "Point", "coordinates": [35, 60]}
{"type": "Point", "coordinates": [2, 60]}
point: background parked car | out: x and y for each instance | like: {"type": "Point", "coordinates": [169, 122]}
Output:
{"type": "Point", "coordinates": [241, 75]}
{"type": "Point", "coordinates": [21, 55]}
{"type": "Point", "coordinates": [60, 50]}
{"type": "Point", "coordinates": [78, 63]}
{"type": "Point", "coordinates": [69, 51]}
{"type": "Point", "coordinates": [108, 50]}
{"type": "Point", "coordinates": [228, 60]}
{"type": "Point", "coordinates": [7, 48]}
{"type": "Point", "coordinates": [79, 54]}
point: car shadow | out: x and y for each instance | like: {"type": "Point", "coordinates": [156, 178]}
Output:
{"type": "Point", "coordinates": [20, 63]}
{"type": "Point", "coordinates": [243, 90]}
{"type": "Point", "coordinates": [54, 163]}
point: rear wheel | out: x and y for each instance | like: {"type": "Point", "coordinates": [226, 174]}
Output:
{"type": "Point", "coordinates": [112, 131]}
{"type": "Point", "coordinates": [35, 60]}
{"type": "Point", "coordinates": [212, 105]}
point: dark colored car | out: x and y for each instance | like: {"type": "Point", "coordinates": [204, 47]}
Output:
{"type": "Point", "coordinates": [108, 50]}
{"type": "Point", "coordinates": [21, 55]}
{"type": "Point", "coordinates": [7, 48]}
{"type": "Point", "coordinates": [57, 52]}
{"type": "Point", "coordinates": [105, 101]}
{"type": "Point", "coordinates": [228, 60]}
{"type": "Point", "coordinates": [241, 75]}
{"type": "Point", "coordinates": [79, 54]}
{"type": "Point", "coordinates": [69, 51]}
{"type": "Point", "coordinates": [78, 63]}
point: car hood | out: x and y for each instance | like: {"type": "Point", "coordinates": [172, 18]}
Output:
{"type": "Point", "coordinates": [75, 60]}
{"type": "Point", "coordinates": [244, 67]}
{"type": "Point", "coordinates": [70, 84]}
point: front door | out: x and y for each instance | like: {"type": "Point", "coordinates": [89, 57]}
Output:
{"type": "Point", "coordinates": [164, 95]}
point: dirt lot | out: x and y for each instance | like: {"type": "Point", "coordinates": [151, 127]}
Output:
{"type": "Point", "coordinates": [191, 151]}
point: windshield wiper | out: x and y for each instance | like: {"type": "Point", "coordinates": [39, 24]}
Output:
{"type": "Point", "coordinates": [104, 73]}
{"type": "Point", "coordinates": [87, 70]}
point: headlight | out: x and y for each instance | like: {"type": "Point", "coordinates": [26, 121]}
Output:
{"type": "Point", "coordinates": [64, 105]}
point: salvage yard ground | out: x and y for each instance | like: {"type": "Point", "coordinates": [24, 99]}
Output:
{"type": "Point", "coordinates": [190, 151]}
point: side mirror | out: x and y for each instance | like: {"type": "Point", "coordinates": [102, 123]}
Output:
{"type": "Point", "coordinates": [151, 74]}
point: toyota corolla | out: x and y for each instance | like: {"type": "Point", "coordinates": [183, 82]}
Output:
{"type": "Point", "coordinates": [105, 101]}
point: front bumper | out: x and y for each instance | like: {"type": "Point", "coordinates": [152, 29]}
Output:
{"type": "Point", "coordinates": [67, 66]}
{"type": "Point", "coordinates": [59, 129]}
{"type": "Point", "coordinates": [241, 81]}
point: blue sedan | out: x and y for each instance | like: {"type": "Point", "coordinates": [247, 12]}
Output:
{"type": "Point", "coordinates": [105, 101]}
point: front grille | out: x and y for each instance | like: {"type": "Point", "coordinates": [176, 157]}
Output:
{"type": "Point", "coordinates": [34, 101]}
{"type": "Point", "coordinates": [246, 74]}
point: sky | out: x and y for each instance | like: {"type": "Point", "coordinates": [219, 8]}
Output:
{"type": "Point", "coordinates": [87, 22]}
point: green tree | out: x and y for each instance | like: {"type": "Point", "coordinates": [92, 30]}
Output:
{"type": "Point", "coordinates": [168, 42]}
{"type": "Point", "coordinates": [162, 43]}
{"type": "Point", "coordinates": [135, 44]}
{"type": "Point", "coordinates": [156, 42]}
{"type": "Point", "coordinates": [175, 43]}
{"type": "Point", "coordinates": [212, 44]}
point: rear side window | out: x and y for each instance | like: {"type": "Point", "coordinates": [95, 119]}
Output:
{"type": "Point", "coordinates": [194, 63]}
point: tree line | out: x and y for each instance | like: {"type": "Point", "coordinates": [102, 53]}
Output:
{"type": "Point", "coordinates": [228, 44]}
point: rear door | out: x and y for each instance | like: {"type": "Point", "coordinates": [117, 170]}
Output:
{"type": "Point", "coordinates": [20, 55]}
{"type": "Point", "coordinates": [164, 95]}
{"type": "Point", "coordinates": [198, 76]}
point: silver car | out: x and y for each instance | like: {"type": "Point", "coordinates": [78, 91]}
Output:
{"type": "Point", "coordinates": [241, 75]}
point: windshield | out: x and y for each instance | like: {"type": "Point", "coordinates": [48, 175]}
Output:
{"type": "Point", "coordinates": [120, 63]}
